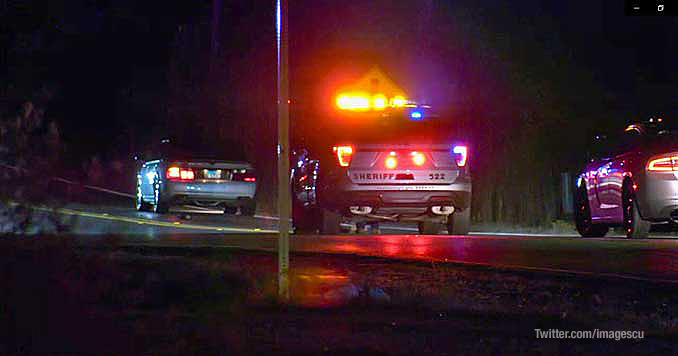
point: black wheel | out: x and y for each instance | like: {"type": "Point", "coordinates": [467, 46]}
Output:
{"type": "Point", "coordinates": [304, 219]}
{"type": "Point", "coordinates": [634, 225]}
{"type": "Point", "coordinates": [140, 204]}
{"type": "Point", "coordinates": [330, 222]}
{"type": "Point", "coordinates": [458, 223]}
{"type": "Point", "coordinates": [582, 217]}
{"type": "Point", "coordinates": [160, 206]}
{"type": "Point", "coordinates": [249, 209]}
{"type": "Point", "coordinates": [429, 227]}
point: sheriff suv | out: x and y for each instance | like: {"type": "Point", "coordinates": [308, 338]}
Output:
{"type": "Point", "coordinates": [404, 165]}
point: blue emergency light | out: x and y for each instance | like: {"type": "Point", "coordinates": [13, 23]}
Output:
{"type": "Point", "coordinates": [416, 116]}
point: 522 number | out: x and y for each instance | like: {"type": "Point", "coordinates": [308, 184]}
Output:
{"type": "Point", "coordinates": [436, 176]}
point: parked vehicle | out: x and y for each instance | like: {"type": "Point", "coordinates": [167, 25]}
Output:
{"type": "Point", "coordinates": [190, 175]}
{"type": "Point", "coordinates": [633, 183]}
{"type": "Point", "coordinates": [401, 164]}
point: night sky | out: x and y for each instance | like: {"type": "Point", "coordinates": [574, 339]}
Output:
{"type": "Point", "coordinates": [118, 63]}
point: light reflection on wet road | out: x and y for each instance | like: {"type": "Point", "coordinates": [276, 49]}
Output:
{"type": "Point", "coordinates": [650, 258]}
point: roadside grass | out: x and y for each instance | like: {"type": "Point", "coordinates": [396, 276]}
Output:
{"type": "Point", "coordinates": [60, 297]}
{"type": "Point", "coordinates": [559, 227]}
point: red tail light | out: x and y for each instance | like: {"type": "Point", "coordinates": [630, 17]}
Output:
{"type": "Point", "coordinates": [244, 176]}
{"type": "Point", "coordinates": [391, 161]}
{"type": "Point", "coordinates": [462, 154]}
{"type": "Point", "coordinates": [344, 154]}
{"type": "Point", "coordinates": [180, 174]}
{"type": "Point", "coordinates": [418, 158]}
{"type": "Point", "coordinates": [663, 164]}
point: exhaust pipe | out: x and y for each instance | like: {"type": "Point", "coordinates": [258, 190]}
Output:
{"type": "Point", "coordinates": [360, 210]}
{"type": "Point", "coordinates": [442, 210]}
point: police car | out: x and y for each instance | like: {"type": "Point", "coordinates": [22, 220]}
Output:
{"type": "Point", "coordinates": [402, 163]}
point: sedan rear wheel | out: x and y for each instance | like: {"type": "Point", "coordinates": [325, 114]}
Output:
{"type": "Point", "coordinates": [160, 206]}
{"type": "Point", "coordinates": [634, 225]}
{"type": "Point", "coordinates": [582, 217]}
{"type": "Point", "coordinates": [141, 205]}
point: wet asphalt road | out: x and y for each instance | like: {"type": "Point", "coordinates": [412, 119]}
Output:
{"type": "Point", "coordinates": [654, 258]}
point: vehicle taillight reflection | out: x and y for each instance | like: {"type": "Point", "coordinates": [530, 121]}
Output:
{"type": "Point", "coordinates": [344, 154]}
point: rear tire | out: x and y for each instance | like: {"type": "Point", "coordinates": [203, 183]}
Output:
{"type": "Point", "coordinates": [140, 204]}
{"type": "Point", "coordinates": [582, 217]}
{"type": "Point", "coordinates": [160, 206]}
{"type": "Point", "coordinates": [330, 222]}
{"type": "Point", "coordinates": [634, 225]}
{"type": "Point", "coordinates": [429, 227]}
{"type": "Point", "coordinates": [459, 222]}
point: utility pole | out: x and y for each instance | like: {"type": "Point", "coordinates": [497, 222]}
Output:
{"type": "Point", "coordinates": [284, 196]}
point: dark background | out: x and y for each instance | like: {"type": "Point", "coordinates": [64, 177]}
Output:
{"type": "Point", "coordinates": [530, 82]}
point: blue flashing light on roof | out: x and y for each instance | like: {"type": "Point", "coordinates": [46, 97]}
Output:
{"type": "Point", "coordinates": [416, 115]}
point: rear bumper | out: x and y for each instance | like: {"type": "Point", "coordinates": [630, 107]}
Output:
{"type": "Point", "coordinates": [341, 194]}
{"type": "Point", "coordinates": [227, 194]}
{"type": "Point", "coordinates": [658, 196]}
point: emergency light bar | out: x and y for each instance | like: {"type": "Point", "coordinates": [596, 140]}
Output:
{"type": "Point", "coordinates": [364, 102]}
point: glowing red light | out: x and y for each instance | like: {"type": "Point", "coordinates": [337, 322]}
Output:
{"type": "Point", "coordinates": [663, 164]}
{"type": "Point", "coordinates": [177, 173]}
{"type": "Point", "coordinates": [462, 152]}
{"type": "Point", "coordinates": [173, 172]}
{"type": "Point", "coordinates": [418, 158]}
{"type": "Point", "coordinates": [344, 154]}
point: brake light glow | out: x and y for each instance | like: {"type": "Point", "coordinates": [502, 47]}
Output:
{"type": "Point", "coordinates": [173, 172]}
{"type": "Point", "coordinates": [187, 174]}
{"type": "Point", "coordinates": [418, 158]}
{"type": "Point", "coordinates": [243, 175]}
{"type": "Point", "coordinates": [344, 154]}
{"type": "Point", "coordinates": [177, 173]}
{"type": "Point", "coordinates": [391, 162]}
{"type": "Point", "coordinates": [462, 154]}
{"type": "Point", "coordinates": [663, 164]}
